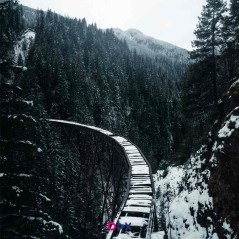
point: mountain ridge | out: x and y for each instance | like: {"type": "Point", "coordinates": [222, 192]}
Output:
{"type": "Point", "coordinates": [144, 43]}
{"type": "Point", "coordinates": [172, 59]}
{"type": "Point", "coordinates": [135, 39]}
{"type": "Point", "coordinates": [137, 31]}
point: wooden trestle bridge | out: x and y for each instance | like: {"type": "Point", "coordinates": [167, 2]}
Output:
{"type": "Point", "coordinates": [127, 186]}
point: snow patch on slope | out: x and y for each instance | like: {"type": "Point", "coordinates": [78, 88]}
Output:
{"type": "Point", "coordinates": [22, 47]}
{"type": "Point", "coordinates": [229, 127]}
{"type": "Point", "coordinates": [50, 225]}
{"type": "Point", "coordinates": [184, 203]}
{"type": "Point", "coordinates": [183, 209]}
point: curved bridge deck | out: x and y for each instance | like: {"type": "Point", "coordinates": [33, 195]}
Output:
{"type": "Point", "coordinates": [138, 207]}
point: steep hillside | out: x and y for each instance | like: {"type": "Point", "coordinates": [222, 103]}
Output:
{"type": "Point", "coordinates": [88, 75]}
{"type": "Point", "coordinates": [172, 59]}
{"type": "Point", "coordinates": [92, 77]}
{"type": "Point", "coordinates": [57, 67]}
{"type": "Point", "coordinates": [200, 199]}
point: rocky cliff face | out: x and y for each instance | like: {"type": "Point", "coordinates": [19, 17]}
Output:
{"type": "Point", "coordinates": [224, 180]}
{"type": "Point", "coordinates": [200, 199]}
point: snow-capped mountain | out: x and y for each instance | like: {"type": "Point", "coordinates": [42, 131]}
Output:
{"type": "Point", "coordinates": [152, 47]}
{"type": "Point", "coordinates": [171, 59]}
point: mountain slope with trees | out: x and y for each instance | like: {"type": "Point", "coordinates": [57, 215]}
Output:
{"type": "Point", "coordinates": [216, 66]}
{"type": "Point", "coordinates": [199, 198]}
{"type": "Point", "coordinates": [74, 71]}
{"type": "Point", "coordinates": [90, 77]}
{"type": "Point", "coordinates": [172, 59]}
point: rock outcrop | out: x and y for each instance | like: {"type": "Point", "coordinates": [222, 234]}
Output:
{"type": "Point", "coordinates": [224, 180]}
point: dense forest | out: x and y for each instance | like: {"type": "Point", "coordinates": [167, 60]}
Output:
{"type": "Point", "coordinates": [91, 77]}
{"type": "Point", "coordinates": [75, 71]}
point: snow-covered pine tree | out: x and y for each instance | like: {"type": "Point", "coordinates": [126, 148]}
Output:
{"type": "Point", "coordinates": [230, 33]}
{"type": "Point", "coordinates": [25, 205]}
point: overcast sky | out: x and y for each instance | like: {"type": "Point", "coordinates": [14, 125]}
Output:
{"type": "Point", "coordinates": [169, 20]}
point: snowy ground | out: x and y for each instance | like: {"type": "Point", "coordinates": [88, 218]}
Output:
{"type": "Point", "coordinates": [158, 235]}
{"type": "Point", "coordinates": [183, 201]}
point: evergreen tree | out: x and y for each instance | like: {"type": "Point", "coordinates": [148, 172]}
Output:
{"type": "Point", "coordinates": [230, 32]}
{"type": "Point", "coordinates": [209, 39]}
{"type": "Point", "coordinates": [25, 206]}
{"type": "Point", "coordinates": [12, 24]}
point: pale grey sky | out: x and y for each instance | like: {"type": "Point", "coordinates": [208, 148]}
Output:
{"type": "Point", "coordinates": [169, 20]}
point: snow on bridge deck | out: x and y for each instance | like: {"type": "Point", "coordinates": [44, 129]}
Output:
{"type": "Point", "coordinates": [138, 207]}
